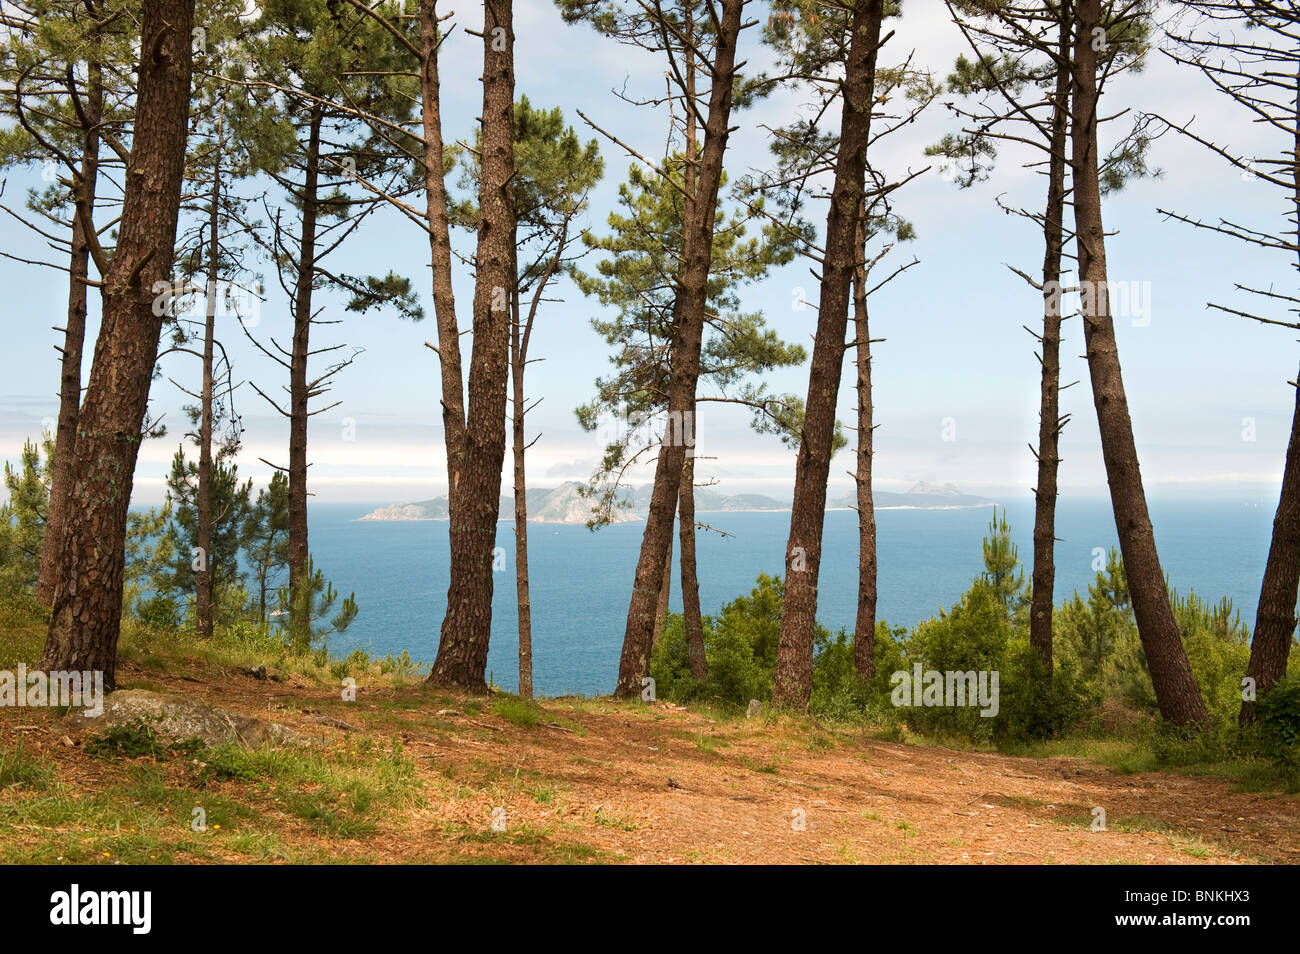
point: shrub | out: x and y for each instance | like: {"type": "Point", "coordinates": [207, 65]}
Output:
{"type": "Point", "coordinates": [158, 612]}
{"type": "Point", "coordinates": [1278, 728]}
{"type": "Point", "coordinates": [1033, 707]}
{"type": "Point", "coordinates": [838, 692]}
{"type": "Point", "coordinates": [740, 646]}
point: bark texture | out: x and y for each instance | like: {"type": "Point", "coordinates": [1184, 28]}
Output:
{"type": "Point", "coordinates": [475, 504]}
{"type": "Point", "coordinates": [1275, 620]}
{"type": "Point", "coordinates": [864, 630]}
{"type": "Point", "coordinates": [444, 298]}
{"type": "Point", "coordinates": [692, 619]}
{"type": "Point", "coordinates": [299, 388]}
{"type": "Point", "coordinates": [689, 310]}
{"type": "Point", "coordinates": [803, 552]}
{"type": "Point", "coordinates": [1049, 411]}
{"type": "Point", "coordinates": [74, 340]}
{"type": "Point", "coordinates": [87, 605]}
{"type": "Point", "coordinates": [1171, 674]}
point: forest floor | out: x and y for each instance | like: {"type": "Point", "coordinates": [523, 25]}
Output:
{"type": "Point", "coordinates": [410, 774]}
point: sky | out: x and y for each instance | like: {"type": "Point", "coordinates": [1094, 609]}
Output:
{"type": "Point", "coordinates": [955, 380]}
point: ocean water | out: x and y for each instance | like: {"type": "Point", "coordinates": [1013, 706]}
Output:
{"type": "Point", "coordinates": [581, 581]}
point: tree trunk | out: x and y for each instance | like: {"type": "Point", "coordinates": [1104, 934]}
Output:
{"type": "Point", "coordinates": [299, 393]}
{"type": "Point", "coordinates": [689, 309]}
{"type": "Point", "coordinates": [53, 550]}
{"type": "Point", "coordinates": [665, 593]}
{"type": "Point", "coordinates": [803, 554]}
{"type": "Point", "coordinates": [87, 608]}
{"type": "Point", "coordinates": [203, 576]}
{"type": "Point", "coordinates": [1171, 675]}
{"type": "Point", "coordinates": [864, 631]}
{"type": "Point", "coordinates": [518, 361]}
{"type": "Point", "coordinates": [1275, 620]}
{"type": "Point", "coordinates": [444, 298]}
{"type": "Point", "coordinates": [694, 623]}
{"type": "Point", "coordinates": [1049, 411]}
{"type": "Point", "coordinates": [467, 628]}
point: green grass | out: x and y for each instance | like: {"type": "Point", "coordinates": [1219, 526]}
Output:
{"type": "Point", "coordinates": [20, 768]}
{"type": "Point", "coordinates": [517, 711]}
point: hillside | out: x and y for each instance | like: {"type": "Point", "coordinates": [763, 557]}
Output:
{"type": "Point", "coordinates": [564, 504]}
{"type": "Point", "coordinates": [561, 504]}
{"type": "Point", "coordinates": [922, 496]}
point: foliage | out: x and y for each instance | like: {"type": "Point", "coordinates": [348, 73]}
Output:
{"type": "Point", "coordinates": [315, 599]}
{"type": "Point", "coordinates": [266, 541]}
{"type": "Point", "coordinates": [129, 740]}
{"type": "Point", "coordinates": [638, 277]}
{"type": "Point", "coordinates": [229, 500]}
{"type": "Point", "coordinates": [22, 516]}
{"type": "Point", "coordinates": [1278, 728]}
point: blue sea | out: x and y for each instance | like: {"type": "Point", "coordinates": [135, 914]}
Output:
{"type": "Point", "coordinates": [581, 581]}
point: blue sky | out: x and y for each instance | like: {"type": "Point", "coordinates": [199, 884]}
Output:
{"type": "Point", "coordinates": [955, 345]}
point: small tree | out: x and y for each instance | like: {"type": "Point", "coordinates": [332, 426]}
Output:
{"type": "Point", "coordinates": [227, 508]}
{"type": "Point", "coordinates": [1002, 569]}
{"type": "Point", "coordinates": [311, 604]}
{"type": "Point", "coordinates": [266, 541]}
{"type": "Point", "coordinates": [23, 516]}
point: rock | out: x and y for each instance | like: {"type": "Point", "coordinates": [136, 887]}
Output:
{"type": "Point", "coordinates": [755, 709]}
{"type": "Point", "coordinates": [673, 783]}
{"type": "Point", "coordinates": [257, 672]}
{"type": "Point", "coordinates": [180, 718]}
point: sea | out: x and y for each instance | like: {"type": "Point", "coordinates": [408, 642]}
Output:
{"type": "Point", "coordinates": [581, 580]}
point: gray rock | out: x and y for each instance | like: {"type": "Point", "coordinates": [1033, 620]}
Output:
{"type": "Point", "coordinates": [755, 709]}
{"type": "Point", "coordinates": [177, 717]}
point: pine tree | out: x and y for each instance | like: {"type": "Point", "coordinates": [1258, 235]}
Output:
{"type": "Point", "coordinates": [266, 541]}
{"type": "Point", "coordinates": [308, 610]}
{"type": "Point", "coordinates": [709, 40]}
{"type": "Point", "coordinates": [1002, 570]}
{"type": "Point", "coordinates": [24, 515]}
{"type": "Point", "coordinates": [555, 173]}
{"type": "Point", "coordinates": [227, 511]}
{"type": "Point", "coordinates": [1255, 64]}
{"type": "Point", "coordinates": [639, 277]}
{"type": "Point", "coordinates": [320, 62]}
{"type": "Point", "coordinates": [68, 81]}
{"type": "Point", "coordinates": [821, 43]}
{"type": "Point", "coordinates": [1096, 27]}
{"type": "Point", "coordinates": [87, 606]}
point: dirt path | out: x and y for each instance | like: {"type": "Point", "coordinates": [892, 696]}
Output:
{"type": "Point", "coordinates": [670, 787]}
{"type": "Point", "coordinates": [592, 780]}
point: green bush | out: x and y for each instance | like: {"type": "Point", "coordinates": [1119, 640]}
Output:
{"type": "Point", "coordinates": [973, 635]}
{"type": "Point", "coordinates": [839, 693]}
{"type": "Point", "coordinates": [1278, 728]}
{"type": "Point", "coordinates": [740, 646]}
{"type": "Point", "coordinates": [158, 612]}
{"type": "Point", "coordinates": [1033, 707]}
{"type": "Point", "coordinates": [1218, 648]}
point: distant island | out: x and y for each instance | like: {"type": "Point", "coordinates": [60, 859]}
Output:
{"type": "Point", "coordinates": [565, 505]}
{"type": "Point", "coordinates": [923, 496]}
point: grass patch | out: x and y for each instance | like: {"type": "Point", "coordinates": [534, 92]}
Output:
{"type": "Point", "coordinates": [20, 768]}
{"type": "Point", "coordinates": [517, 711]}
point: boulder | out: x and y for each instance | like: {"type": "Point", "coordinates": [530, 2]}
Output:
{"type": "Point", "coordinates": [178, 717]}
